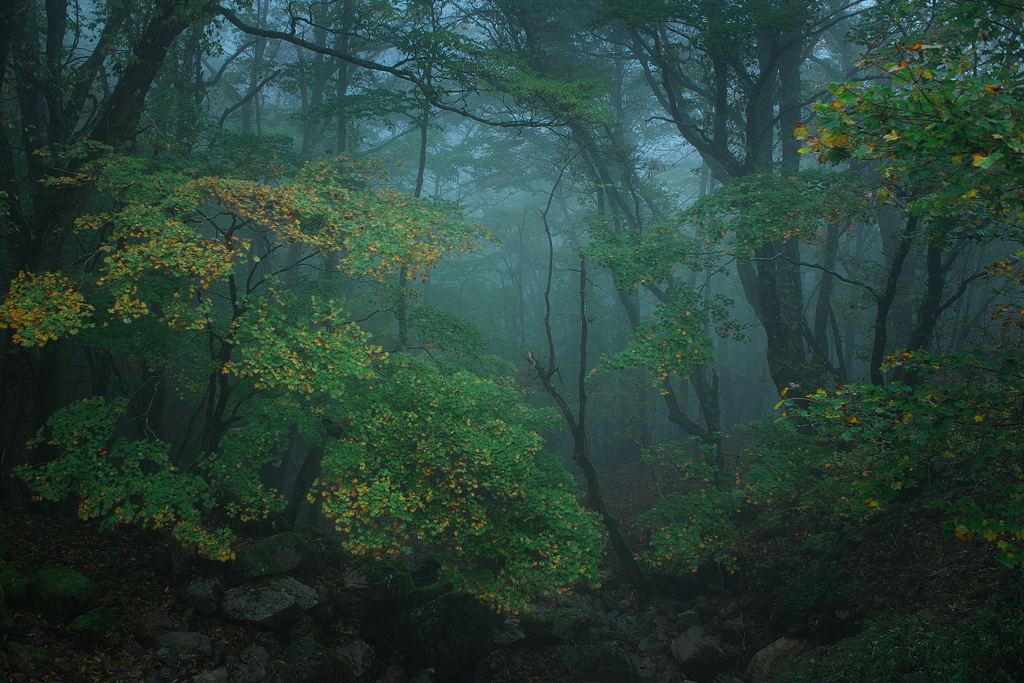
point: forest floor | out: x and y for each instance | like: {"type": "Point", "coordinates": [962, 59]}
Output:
{"type": "Point", "coordinates": [892, 600]}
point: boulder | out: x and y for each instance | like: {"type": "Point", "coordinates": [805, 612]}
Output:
{"type": "Point", "coordinates": [360, 656]}
{"type": "Point", "coordinates": [14, 587]}
{"type": "Point", "coordinates": [688, 619]}
{"type": "Point", "coordinates": [765, 662]}
{"type": "Point", "coordinates": [218, 675]}
{"type": "Point", "coordinates": [698, 652]}
{"type": "Point", "coordinates": [378, 580]}
{"type": "Point", "coordinates": [447, 634]}
{"type": "Point", "coordinates": [306, 627]}
{"type": "Point", "coordinates": [275, 603]}
{"type": "Point", "coordinates": [255, 666]}
{"type": "Point", "coordinates": [607, 663]}
{"type": "Point", "coordinates": [183, 644]}
{"type": "Point", "coordinates": [559, 626]}
{"type": "Point", "coordinates": [350, 609]}
{"type": "Point", "coordinates": [277, 671]}
{"type": "Point", "coordinates": [733, 631]}
{"type": "Point", "coordinates": [203, 595]}
{"type": "Point", "coordinates": [61, 593]}
{"type": "Point", "coordinates": [653, 644]}
{"type": "Point", "coordinates": [313, 663]}
{"type": "Point", "coordinates": [98, 625]}
{"type": "Point", "coordinates": [27, 660]}
{"type": "Point", "coordinates": [279, 554]}
{"type": "Point", "coordinates": [393, 674]}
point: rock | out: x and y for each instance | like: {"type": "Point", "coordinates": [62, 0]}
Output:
{"type": "Point", "coordinates": [148, 627]}
{"type": "Point", "coordinates": [728, 677]}
{"type": "Point", "coordinates": [221, 675]}
{"type": "Point", "coordinates": [203, 595]}
{"type": "Point", "coordinates": [306, 627]}
{"type": "Point", "coordinates": [447, 634]}
{"type": "Point", "coordinates": [378, 580]}
{"type": "Point", "coordinates": [559, 626]}
{"type": "Point", "coordinates": [510, 632]}
{"type": "Point", "coordinates": [393, 674]}
{"type": "Point", "coordinates": [360, 656]}
{"type": "Point", "coordinates": [596, 636]}
{"type": "Point", "coordinates": [28, 660]}
{"type": "Point", "coordinates": [688, 619]}
{"type": "Point", "coordinates": [350, 609]}
{"type": "Point", "coordinates": [275, 671]}
{"type": "Point", "coordinates": [278, 554]}
{"type": "Point", "coordinates": [425, 571]}
{"type": "Point", "coordinates": [276, 603]}
{"type": "Point", "coordinates": [607, 663]}
{"type": "Point", "coordinates": [61, 593]}
{"type": "Point", "coordinates": [186, 644]}
{"type": "Point", "coordinates": [662, 623]}
{"type": "Point", "coordinates": [653, 644]}
{"type": "Point", "coordinates": [765, 662]}
{"type": "Point", "coordinates": [733, 631]}
{"type": "Point", "coordinates": [313, 663]}
{"type": "Point", "coordinates": [14, 587]}
{"type": "Point", "coordinates": [252, 664]}
{"type": "Point", "coordinates": [698, 652]}
{"type": "Point", "coordinates": [98, 625]}
{"type": "Point", "coordinates": [278, 671]}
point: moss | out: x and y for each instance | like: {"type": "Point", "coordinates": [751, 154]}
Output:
{"type": "Point", "coordinates": [379, 580]}
{"type": "Point", "coordinates": [28, 659]}
{"type": "Point", "coordinates": [98, 625]}
{"type": "Point", "coordinates": [14, 586]}
{"type": "Point", "coordinates": [61, 593]}
{"type": "Point", "coordinates": [278, 554]}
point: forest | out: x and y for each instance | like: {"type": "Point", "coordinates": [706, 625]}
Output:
{"type": "Point", "coordinates": [563, 317]}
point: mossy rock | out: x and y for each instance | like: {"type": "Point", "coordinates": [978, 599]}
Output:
{"type": "Point", "coordinates": [98, 625]}
{"type": "Point", "coordinates": [422, 596]}
{"type": "Point", "coordinates": [28, 660]}
{"type": "Point", "coordinates": [820, 545]}
{"type": "Point", "coordinates": [448, 634]}
{"type": "Point", "coordinates": [278, 554]}
{"type": "Point", "coordinates": [608, 663]}
{"type": "Point", "coordinates": [350, 609]}
{"type": "Point", "coordinates": [14, 586]}
{"type": "Point", "coordinates": [62, 593]}
{"type": "Point", "coordinates": [559, 626]}
{"type": "Point", "coordinates": [378, 580]}
{"type": "Point", "coordinates": [425, 572]}
{"type": "Point", "coordinates": [314, 663]}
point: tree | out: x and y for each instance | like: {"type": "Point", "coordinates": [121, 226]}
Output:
{"type": "Point", "coordinates": [719, 71]}
{"type": "Point", "coordinates": [942, 134]}
{"type": "Point", "coordinates": [69, 119]}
